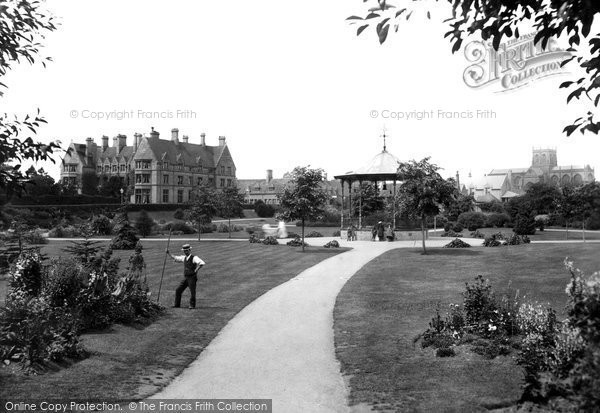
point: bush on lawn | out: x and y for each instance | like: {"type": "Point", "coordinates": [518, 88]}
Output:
{"type": "Point", "coordinates": [254, 239]}
{"type": "Point", "coordinates": [102, 225]}
{"type": "Point", "coordinates": [448, 226]}
{"type": "Point", "coordinates": [515, 239]}
{"type": "Point", "coordinates": [264, 210]}
{"type": "Point", "coordinates": [524, 225]}
{"type": "Point", "coordinates": [457, 243]}
{"type": "Point", "coordinates": [497, 220]}
{"type": "Point", "coordinates": [296, 242]}
{"type": "Point", "coordinates": [335, 233]}
{"type": "Point", "coordinates": [313, 234]}
{"type": "Point", "coordinates": [270, 240]}
{"type": "Point", "coordinates": [144, 224]}
{"type": "Point", "coordinates": [458, 227]}
{"type": "Point", "coordinates": [332, 244]}
{"type": "Point", "coordinates": [471, 220]}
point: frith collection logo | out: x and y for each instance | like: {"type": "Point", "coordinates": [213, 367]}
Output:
{"type": "Point", "coordinates": [515, 64]}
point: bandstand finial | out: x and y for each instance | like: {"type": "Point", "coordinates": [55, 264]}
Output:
{"type": "Point", "coordinates": [384, 136]}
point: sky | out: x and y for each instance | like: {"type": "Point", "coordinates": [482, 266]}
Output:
{"type": "Point", "coordinates": [287, 83]}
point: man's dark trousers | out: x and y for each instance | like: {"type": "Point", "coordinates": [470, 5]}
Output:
{"type": "Point", "coordinates": [189, 281]}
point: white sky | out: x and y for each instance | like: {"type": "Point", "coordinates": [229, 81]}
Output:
{"type": "Point", "coordinates": [288, 83]}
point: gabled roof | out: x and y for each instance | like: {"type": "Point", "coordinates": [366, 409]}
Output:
{"type": "Point", "coordinates": [489, 181]}
{"type": "Point", "coordinates": [486, 198]}
{"type": "Point", "coordinates": [187, 153]}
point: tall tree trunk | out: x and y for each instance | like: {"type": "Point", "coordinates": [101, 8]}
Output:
{"type": "Point", "coordinates": [302, 234]}
{"type": "Point", "coordinates": [423, 234]}
{"type": "Point", "coordinates": [199, 230]}
{"type": "Point", "coordinates": [229, 227]}
{"type": "Point", "coordinates": [583, 226]}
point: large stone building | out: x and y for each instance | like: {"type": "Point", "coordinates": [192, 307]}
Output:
{"type": "Point", "coordinates": [163, 171]}
{"type": "Point", "coordinates": [266, 189]}
{"type": "Point", "coordinates": [503, 184]}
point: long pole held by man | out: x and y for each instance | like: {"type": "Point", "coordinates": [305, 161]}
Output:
{"type": "Point", "coordinates": [191, 266]}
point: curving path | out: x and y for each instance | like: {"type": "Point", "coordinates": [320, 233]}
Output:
{"type": "Point", "coordinates": [281, 346]}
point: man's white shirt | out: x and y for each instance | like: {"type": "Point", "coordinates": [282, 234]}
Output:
{"type": "Point", "coordinates": [181, 258]}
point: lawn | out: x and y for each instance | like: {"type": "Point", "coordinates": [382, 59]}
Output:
{"type": "Point", "coordinates": [128, 362]}
{"type": "Point", "coordinates": [550, 234]}
{"type": "Point", "coordinates": [391, 300]}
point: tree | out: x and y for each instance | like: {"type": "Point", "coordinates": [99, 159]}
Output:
{"type": "Point", "coordinates": [112, 187]}
{"type": "Point", "coordinates": [423, 191]}
{"type": "Point", "coordinates": [496, 20]}
{"type": "Point", "coordinates": [303, 197]}
{"type": "Point", "coordinates": [543, 197]}
{"type": "Point", "coordinates": [462, 203]}
{"type": "Point", "coordinates": [203, 208]}
{"type": "Point", "coordinates": [568, 206]}
{"type": "Point", "coordinates": [230, 204]}
{"type": "Point", "coordinates": [144, 224]}
{"type": "Point", "coordinates": [86, 250]}
{"type": "Point", "coordinates": [588, 202]}
{"type": "Point", "coordinates": [40, 183]}
{"type": "Point", "coordinates": [23, 25]}
{"type": "Point", "coordinates": [369, 200]}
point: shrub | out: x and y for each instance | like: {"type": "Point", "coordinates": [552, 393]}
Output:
{"type": "Point", "coordinates": [515, 239]}
{"type": "Point", "coordinates": [335, 233]}
{"type": "Point", "coordinates": [471, 220]}
{"type": "Point", "coordinates": [296, 242]}
{"type": "Point", "coordinates": [448, 226]}
{"type": "Point", "coordinates": [480, 307]}
{"type": "Point", "coordinates": [254, 239]}
{"type": "Point", "coordinates": [524, 225]}
{"type": "Point", "coordinates": [35, 238]}
{"type": "Point", "coordinates": [181, 226]}
{"type": "Point", "coordinates": [179, 214]}
{"type": "Point", "coordinates": [332, 244]}
{"type": "Point", "coordinates": [477, 234]}
{"type": "Point", "coordinates": [457, 243]}
{"type": "Point", "coordinates": [445, 352]}
{"type": "Point", "coordinates": [458, 227]}
{"type": "Point", "coordinates": [263, 210]}
{"type": "Point", "coordinates": [541, 221]}
{"type": "Point", "coordinates": [144, 224]}
{"type": "Point", "coordinates": [126, 238]}
{"type": "Point", "coordinates": [493, 240]}
{"type": "Point", "coordinates": [270, 240]}
{"type": "Point", "coordinates": [313, 234]}
{"type": "Point", "coordinates": [497, 220]}
{"type": "Point", "coordinates": [102, 225]}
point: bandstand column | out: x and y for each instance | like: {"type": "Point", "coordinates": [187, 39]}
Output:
{"type": "Point", "coordinates": [342, 213]}
{"type": "Point", "coordinates": [360, 204]}
{"type": "Point", "coordinates": [394, 207]}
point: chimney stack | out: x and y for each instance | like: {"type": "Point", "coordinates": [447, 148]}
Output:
{"type": "Point", "coordinates": [104, 142]}
{"type": "Point", "coordinates": [153, 133]}
{"type": "Point", "coordinates": [203, 139]}
{"type": "Point", "coordinates": [269, 175]}
{"type": "Point", "coordinates": [186, 138]}
{"type": "Point", "coordinates": [115, 141]}
{"type": "Point", "coordinates": [122, 141]}
{"type": "Point", "coordinates": [221, 140]}
{"type": "Point", "coordinates": [89, 150]}
{"type": "Point", "coordinates": [137, 139]}
{"type": "Point", "coordinates": [175, 135]}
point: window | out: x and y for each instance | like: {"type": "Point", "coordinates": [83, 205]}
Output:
{"type": "Point", "coordinates": [190, 180]}
{"type": "Point", "coordinates": [229, 170]}
{"type": "Point", "coordinates": [222, 182]}
{"type": "Point", "coordinates": [165, 179]}
{"type": "Point", "coordinates": [199, 180]}
{"type": "Point", "coordinates": [114, 168]}
{"type": "Point", "coordinates": [138, 178]}
{"type": "Point", "coordinates": [142, 164]}
{"type": "Point", "coordinates": [229, 183]}
{"type": "Point", "coordinates": [180, 196]}
{"type": "Point", "coordinates": [211, 181]}
{"type": "Point", "coordinates": [165, 165]}
{"type": "Point", "coordinates": [99, 168]}
{"type": "Point", "coordinates": [122, 168]}
{"type": "Point", "coordinates": [189, 195]}
{"type": "Point", "coordinates": [179, 180]}
{"type": "Point", "coordinates": [165, 196]}
{"type": "Point", "coordinates": [222, 170]}
{"type": "Point", "coordinates": [106, 168]}
{"type": "Point", "coordinates": [146, 178]}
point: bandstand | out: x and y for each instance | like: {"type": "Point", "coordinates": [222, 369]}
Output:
{"type": "Point", "coordinates": [383, 168]}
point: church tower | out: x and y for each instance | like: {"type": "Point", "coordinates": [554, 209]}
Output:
{"type": "Point", "coordinates": [545, 159]}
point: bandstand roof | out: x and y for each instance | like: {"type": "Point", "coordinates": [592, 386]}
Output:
{"type": "Point", "coordinates": [383, 167]}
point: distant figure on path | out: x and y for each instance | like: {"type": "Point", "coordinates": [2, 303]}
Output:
{"type": "Point", "coordinates": [389, 233]}
{"type": "Point", "coordinates": [191, 265]}
{"type": "Point", "coordinates": [380, 230]}
{"type": "Point", "coordinates": [281, 230]}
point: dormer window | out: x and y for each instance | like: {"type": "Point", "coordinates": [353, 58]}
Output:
{"type": "Point", "coordinates": [165, 165]}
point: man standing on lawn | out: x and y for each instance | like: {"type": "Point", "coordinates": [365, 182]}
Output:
{"type": "Point", "coordinates": [191, 265]}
